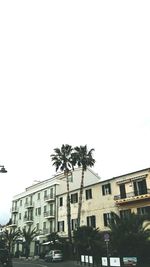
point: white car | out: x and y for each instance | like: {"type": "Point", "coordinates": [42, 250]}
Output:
{"type": "Point", "coordinates": [54, 255]}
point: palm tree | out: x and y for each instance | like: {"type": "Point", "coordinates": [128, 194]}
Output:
{"type": "Point", "coordinates": [10, 236]}
{"type": "Point", "coordinates": [129, 234]}
{"type": "Point", "coordinates": [83, 158]}
{"type": "Point", "coordinates": [28, 236]}
{"type": "Point", "coordinates": [88, 241]}
{"type": "Point", "coordinates": [62, 160]}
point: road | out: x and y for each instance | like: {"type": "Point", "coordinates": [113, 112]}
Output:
{"type": "Point", "coordinates": [40, 263]}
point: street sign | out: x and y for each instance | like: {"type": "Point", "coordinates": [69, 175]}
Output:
{"type": "Point", "coordinates": [106, 237]}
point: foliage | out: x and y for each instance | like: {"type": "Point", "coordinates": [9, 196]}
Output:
{"type": "Point", "coordinates": [62, 159]}
{"type": "Point", "coordinates": [10, 236]}
{"type": "Point", "coordinates": [28, 236]}
{"type": "Point", "coordinates": [58, 242]}
{"type": "Point", "coordinates": [82, 157]}
{"type": "Point", "coordinates": [129, 236]}
{"type": "Point", "coordinates": [89, 241]}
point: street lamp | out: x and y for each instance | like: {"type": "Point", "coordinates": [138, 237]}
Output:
{"type": "Point", "coordinates": [2, 169]}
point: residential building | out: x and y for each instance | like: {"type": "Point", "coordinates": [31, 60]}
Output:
{"type": "Point", "coordinates": [43, 205]}
{"type": "Point", "coordinates": [38, 205]}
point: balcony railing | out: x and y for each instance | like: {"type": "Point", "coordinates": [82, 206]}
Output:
{"type": "Point", "coordinates": [13, 223]}
{"type": "Point", "coordinates": [132, 195]}
{"type": "Point", "coordinates": [29, 205]}
{"type": "Point", "coordinates": [49, 214]}
{"type": "Point", "coordinates": [28, 219]}
{"type": "Point", "coordinates": [14, 209]}
{"type": "Point", "coordinates": [50, 197]}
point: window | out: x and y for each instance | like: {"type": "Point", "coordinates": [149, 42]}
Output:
{"type": "Point", "coordinates": [88, 193]}
{"type": "Point", "coordinates": [52, 192]}
{"type": "Point", "coordinates": [45, 208]}
{"type": "Point", "coordinates": [70, 177]}
{"type": "Point", "coordinates": [26, 201]}
{"type": "Point", "coordinates": [60, 201]}
{"type": "Point", "coordinates": [31, 200]}
{"type": "Point", "coordinates": [61, 226]}
{"type": "Point", "coordinates": [107, 217]}
{"type": "Point", "coordinates": [143, 210]}
{"type": "Point", "coordinates": [91, 221]}
{"type": "Point", "coordinates": [20, 202]}
{"type": "Point", "coordinates": [51, 226]}
{"type": "Point", "coordinates": [38, 197]}
{"type": "Point", "coordinates": [25, 214]}
{"type": "Point", "coordinates": [106, 189]}
{"type": "Point", "coordinates": [51, 210]}
{"type": "Point", "coordinates": [45, 193]}
{"type": "Point", "coordinates": [39, 211]}
{"type": "Point", "coordinates": [44, 225]}
{"type": "Point", "coordinates": [74, 224]}
{"type": "Point", "coordinates": [125, 213]}
{"type": "Point", "coordinates": [122, 191]}
{"type": "Point", "coordinates": [74, 198]}
{"type": "Point", "coordinates": [140, 187]}
{"type": "Point", "coordinates": [19, 216]}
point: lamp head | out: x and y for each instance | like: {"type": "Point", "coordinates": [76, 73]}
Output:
{"type": "Point", "coordinates": [3, 170]}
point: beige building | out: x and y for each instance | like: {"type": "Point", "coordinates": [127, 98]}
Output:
{"type": "Point", "coordinates": [43, 205]}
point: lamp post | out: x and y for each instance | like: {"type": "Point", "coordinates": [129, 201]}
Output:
{"type": "Point", "coordinates": [107, 239]}
{"type": "Point", "coordinates": [2, 169]}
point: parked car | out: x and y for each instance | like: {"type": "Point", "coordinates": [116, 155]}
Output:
{"type": "Point", "coordinates": [5, 258]}
{"type": "Point", "coordinates": [54, 255]}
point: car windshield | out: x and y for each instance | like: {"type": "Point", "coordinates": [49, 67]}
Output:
{"type": "Point", "coordinates": [57, 252]}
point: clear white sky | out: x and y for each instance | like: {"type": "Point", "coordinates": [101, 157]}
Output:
{"type": "Point", "coordinates": [75, 72]}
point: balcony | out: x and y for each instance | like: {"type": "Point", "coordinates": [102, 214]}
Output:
{"type": "Point", "coordinates": [14, 210]}
{"type": "Point", "coordinates": [29, 205]}
{"type": "Point", "coordinates": [28, 219]}
{"type": "Point", "coordinates": [13, 223]}
{"type": "Point", "coordinates": [49, 215]}
{"type": "Point", "coordinates": [130, 197]}
{"type": "Point", "coordinates": [49, 198]}
{"type": "Point", "coordinates": [45, 231]}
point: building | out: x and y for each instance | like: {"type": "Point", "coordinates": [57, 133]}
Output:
{"type": "Point", "coordinates": [43, 205]}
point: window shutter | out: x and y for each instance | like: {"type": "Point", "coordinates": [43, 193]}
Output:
{"type": "Point", "coordinates": [58, 227]}
{"type": "Point", "coordinates": [63, 226]}
{"type": "Point", "coordinates": [93, 221]}
{"type": "Point", "coordinates": [105, 219]}
{"type": "Point", "coordinates": [103, 190]}
{"type": "Point", "coordinates": [109, 188]}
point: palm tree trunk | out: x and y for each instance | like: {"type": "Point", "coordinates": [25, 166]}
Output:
{"type": "Point", "coordinates": [80, 198]}
{"type": "Point", "coordinates": [68, 210]}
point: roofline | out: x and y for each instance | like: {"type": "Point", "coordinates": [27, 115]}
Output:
{"type": "Point", "coordinates": [120, 176]}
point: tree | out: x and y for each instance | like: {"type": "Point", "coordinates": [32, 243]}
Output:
{"type": "Point", "coordinates": [129, 234]}
{"type": "Point", "coordinates": [62, 160]}
{"type": "Point", "coordinates": [55, 240]}
{"type": "Point", "coordinates": [88, 241]}
{"type": "Point", "coordinates": [83, 158]}
{"type": "Point", "coordinates": [10, 236]}
{"type": "Point", "coordinates": [28, 236]}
